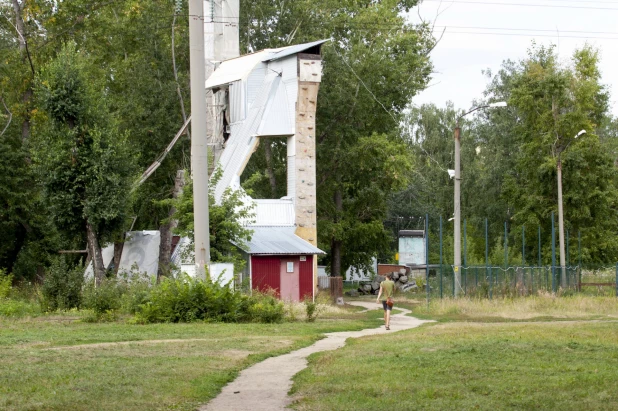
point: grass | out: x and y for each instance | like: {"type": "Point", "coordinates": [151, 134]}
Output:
{"type": "Point", "coordinates": [542, 306]}
{"type": "Point", "coordinates": [500, 354]}
{"type": "Point", "coordinates": [62, 363]}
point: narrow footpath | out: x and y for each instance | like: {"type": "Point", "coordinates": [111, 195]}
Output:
{"type": "Point", "coordinates": [265, 386]}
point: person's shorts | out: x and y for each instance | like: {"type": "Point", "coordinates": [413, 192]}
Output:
{"type": "Point", "coordinates": [386, 307]}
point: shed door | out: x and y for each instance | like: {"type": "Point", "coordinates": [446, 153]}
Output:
{"type": "Point", "coordinates": [290, 284]}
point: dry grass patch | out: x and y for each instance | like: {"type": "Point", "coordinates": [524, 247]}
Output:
{"type": "Point", "coordinates": [542, 305]}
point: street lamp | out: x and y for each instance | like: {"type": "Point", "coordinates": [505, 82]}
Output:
{"type": "Point", "coordinates": [563, 281]}
{"type": "Point", "coordinates": [457, 211]}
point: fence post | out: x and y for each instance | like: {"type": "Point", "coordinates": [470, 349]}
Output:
{"type": "Point", "coordinates": [506, 249]}
{"type": "Point", "coordinates": [465, 246]}
{"type": "Point", "coordinates": [579, 256]}
{"type": "Point", "coordinates": [440, 257]}
{"type": "Point", "coordinates": [486, 252]}
{"type": "Point", "coordinates": [523, 245]}
{"type": "Point", "coordinates": [465, 266]}
{"type": "Point", "coordinates": [427, 256]}
{"type": "Point", "coordinates": [553, 254]}
{"type": "Point", "coordinates": [491, 281]}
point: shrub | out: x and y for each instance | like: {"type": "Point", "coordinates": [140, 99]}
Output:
{"type": "Point", "coordinates": [311, 308]}
{"type": "Point", "coordinates": [62, 286]}
{"type": "Point", "coordinates": [5, 284]}
{"type": "Point", "coordinates": [104, 298]}
{"type": "Point", "coordinates": [264, 308]}
{"type": "Point", "coordinates": [185, 299]}
{"type": "Point", "coordinates": [16, 308]}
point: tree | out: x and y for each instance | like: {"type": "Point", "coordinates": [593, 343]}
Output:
{"type": "Point", "coordinates": [85, 163]}
{"type": "Point", "coordinates": [227, 232]}
{"type": "Point", "coordinates": [553, 103]}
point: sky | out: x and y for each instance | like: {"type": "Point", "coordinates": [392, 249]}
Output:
{"type": "Point", "coordinates": [481, 34]}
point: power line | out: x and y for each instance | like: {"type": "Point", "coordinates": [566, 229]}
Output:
{"type": "Point", "coordinates": [529, 29]}
{"type": "Point", "coordinates": [531, 35]}
{"type": "Point", "coordinates": [526, 5]}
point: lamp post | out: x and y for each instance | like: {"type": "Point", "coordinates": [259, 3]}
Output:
{"type": "Point", "coordinates": [563, 280]}
{"type": "Point", "coordinates": [457, 202]}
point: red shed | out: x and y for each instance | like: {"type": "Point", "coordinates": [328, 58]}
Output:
{"type": "Point", "coordinates": [282, 261]}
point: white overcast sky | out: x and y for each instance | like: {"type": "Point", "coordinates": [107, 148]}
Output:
{"type": "Point", "coordinates": [460, 56]}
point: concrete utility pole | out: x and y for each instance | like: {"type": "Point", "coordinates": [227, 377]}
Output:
{"type": "Point", "coordinates": [199, 145]}
{"type": "Point", "coordinates": [563, 277]}
{"type": "Point", "coordinates": [457, 211]}
{"type": "Point", "coordinates": [457, 199]}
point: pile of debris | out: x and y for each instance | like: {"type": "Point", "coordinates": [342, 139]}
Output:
{"type": "Point", "coordinates": [403, 283]}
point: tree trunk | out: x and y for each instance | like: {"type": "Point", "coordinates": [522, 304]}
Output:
{"type": "Point", "coordinates": [268, 152]}
{"type": "Point", "coordinates": [167, 230]}
{"type": "Point", "coordinates": [96, 254]}
{"type": "Point", "coordinates": [23, 48]}
{"type": "Point", "coordinates": [335, 247]}
{"type": "Point", "coordinates": [118, 247]}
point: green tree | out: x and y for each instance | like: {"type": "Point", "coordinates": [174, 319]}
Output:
{"type": "Point", "coordinates": [85, 163]}
{"type": "Point", "coordinates": [554, 102]}
{"type": "Point", "coordinates": [227, 233]}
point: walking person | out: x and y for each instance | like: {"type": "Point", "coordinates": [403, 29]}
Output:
{"type": "Point", "coordinates": [387, 287]}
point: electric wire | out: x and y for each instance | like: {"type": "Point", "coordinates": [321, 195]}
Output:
{"type": "Point", "coordinates": [525, 5]}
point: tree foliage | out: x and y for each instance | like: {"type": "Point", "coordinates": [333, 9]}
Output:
{"type": "Point", "coordinates": [226, 222]}
{"type": "Point", "coordinates": [510, 155]}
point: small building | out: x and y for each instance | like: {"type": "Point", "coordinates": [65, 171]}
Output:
{"type": "Point", "coordinates": [281, 261]}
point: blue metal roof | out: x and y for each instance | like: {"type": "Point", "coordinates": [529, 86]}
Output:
{"type": "Point", "coordinates": [278, 240]}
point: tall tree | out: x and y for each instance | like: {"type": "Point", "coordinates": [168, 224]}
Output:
{"type": "Point", "coordinates": [554, 102]}
{"type": "Point", "coordinates": [85, 162]}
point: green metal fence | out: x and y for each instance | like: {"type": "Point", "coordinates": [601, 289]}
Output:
{"type": "Point", "coordinates": [490, 281]}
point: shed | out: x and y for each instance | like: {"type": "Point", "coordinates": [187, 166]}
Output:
{"type": "Point", "coordinates": [281, 261]}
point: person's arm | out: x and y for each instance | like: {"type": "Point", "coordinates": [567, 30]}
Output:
{"type": "Point", "coordinates": [379, 294]}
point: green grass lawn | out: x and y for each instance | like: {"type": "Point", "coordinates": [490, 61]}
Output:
{"type": "Point", "coordinates": [58, 363]}
{"type": "Point", "coordinates": [506, 363]}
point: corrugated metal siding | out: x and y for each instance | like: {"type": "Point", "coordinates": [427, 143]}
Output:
{"type": "Point", "coordinates": [306, 278]}
{"type": "Point", "coordinates": [274, 212]}
{"type": "Point", "coordinates": [238, 101]}
{"type": "Point", "coordinates": [278, 240]}
{"type": "Point", "coordinates": [265, 273]}
{"type": "Point", "coordinates": [276, 119]}
{"type": "Point", "coordinates": [254, 82]}
{"type": "Point", "coordinates": [288, 67]}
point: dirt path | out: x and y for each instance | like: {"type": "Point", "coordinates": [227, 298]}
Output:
{"type": "Point", "coordinates": [265, 386]}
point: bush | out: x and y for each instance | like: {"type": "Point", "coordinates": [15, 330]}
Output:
{"type": "Point", "coordinates": [185, 299]}
{"type": "Point", "coordinates": [102, 299]}
{"type": "Point", "coordinates": [311, 308]}
{"type": "Point", "coordinates": [16, 308]}
{"type": "Point", "coordinates": [62, 286]}
{"type": "Point", "coordinates": [6, 282]}
{"type": "Point", "coordinates": [264, 308]}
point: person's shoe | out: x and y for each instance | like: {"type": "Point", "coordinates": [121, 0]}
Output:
{"type": "Point", "coordinates": [388, 328]}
